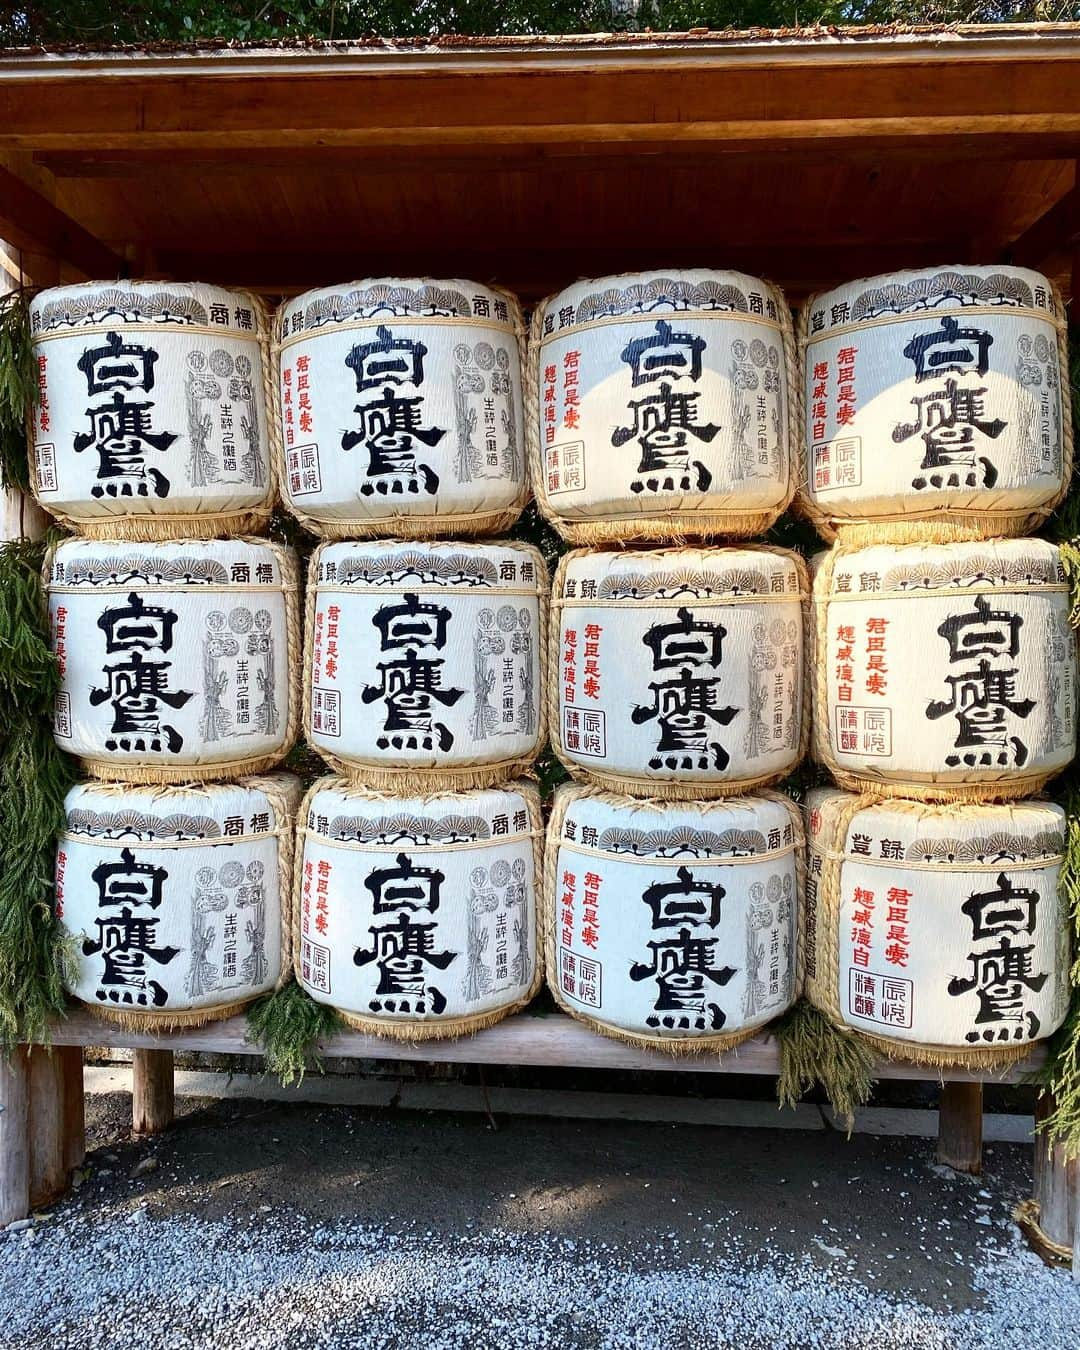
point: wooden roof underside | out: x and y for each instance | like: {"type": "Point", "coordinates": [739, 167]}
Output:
{"type": "Point", "coordinates": [529, 162]}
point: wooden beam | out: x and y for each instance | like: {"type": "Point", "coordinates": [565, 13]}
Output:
{"type": "Point", "coordinates": [960, 1127]}
{"type": "Point", "coordinates": [1057, 230]}
{"type": "Point", "coordinates": [734, 105]}
{"type": "Point", "coordinates": [1057, 1183]}
{"type": "Point", "coordinates": [552, 1039]}
{"type": "Point", "coordinates": [152, 1091]}
{"type": "Point", "coordinates": [14, 1137]}
{"type": "Point", "coordinates": [48, 1173]}
{"type": "Point", "coordinates": [33, 224]}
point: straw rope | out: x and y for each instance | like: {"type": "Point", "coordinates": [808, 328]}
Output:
{"type": "Point", "coordinates": [906, 785]}
{"type": "Point", "coordinates": [445, 1028]}
{"type": "Point", "coordinates": [175, 1019]}
{"type": "Point", "coordinates": [151, 774]}
{"type": "Point", "coordinates": [443, 525]}
{"type": "Point", "coordinates": [675, 525]}
{"type": "Point", "coordinates": [823, 987]}
{"type": "Point", "coordinates": [410, 778]}
{"type": "Point", "coordinates": [689, 789]}
{"type": "Point", "coordinates": [1028, 1214]}
{"type": "Point", "coordinates": [676, 1046]}
{"type": "Point", "coordinates": [159, 527]}
{"type": "Point", "coordinates": [936, 524]}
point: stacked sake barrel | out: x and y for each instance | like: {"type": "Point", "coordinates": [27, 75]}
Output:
{"type": "Point", "coordinates": [177, 643]}
{"type": "Point", "coordinates": [402, 438]}
{"type": "Point", "coordinates": [660, 411]}
{"type": "Point", "coordinates": [937, 435]}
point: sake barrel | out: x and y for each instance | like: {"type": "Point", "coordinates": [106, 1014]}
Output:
{"type": "Point", "coordinates": [152, 420]}
{"type": "Point", "coordinates": [176, 900]}
{"type": "Point", "coordinates": [423, 662]}
{"type": "Point", "coordinates": [679, 672]}
{"type": "Point", "coordinates": [936, 405]}
{"type": "Point", "coordinates": [944, 671]}
{"type": "Point", "coordinates": [401, 409]}
{"type": "Point", "coordinates": [179, 660]}
{"type": "Point", "coordinates": [660, 406]}
{"type": "Point", "coordinates": [416, 916]}
{"type": "Point", "coordinates": [673, 924]}
{"type": "Point", "coordinates": [940, 933]}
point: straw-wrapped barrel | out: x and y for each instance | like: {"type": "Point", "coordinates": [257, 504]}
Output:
{"type": "Point", "coordinates": [940, 933]}
{"type": "Point", "coordinates": [423, 661]}
{"type": "Point", "coordinates": [153, 413]}
{"type": "Point", "coordinates": [679, 672]}
{"type": "Point", "coordinates": [415, 916]}
{"type": "Point", "coordinates": [175, 901]}
{"type": "Point", "coordinates": [660, 406]}
{"type": "Point", "coordinates": [179, 660]}
{"type": "Point", "coordinates": [936, 405]}
{"type": "Point", "coordinates": [944, 671]}
{"type": "Point", "coordinates": [673, 925]}
{"type": "Point", "coordinates": [400, 408]}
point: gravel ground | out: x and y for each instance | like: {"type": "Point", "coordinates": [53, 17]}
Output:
{"type": "Point", "coordinates": [261, 1226]}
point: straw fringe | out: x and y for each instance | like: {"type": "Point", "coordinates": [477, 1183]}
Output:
{"type": "Point", "coordinates": [449, 1027]}
{"type": "Point", "coordinates": [676, 1046]}
{"type": "Point", "coordinates": [432, 527]}
{"type": "Point", "coordinates": [936, 526]}
{"type": "Point", "coordinates": [823, 987]}
{"type": "Point", "coordinates": [149, 775]}
{"type": "Point", "coordinates": [167, 1021]}
{"type": "Point", "coordinates": [158, 528]}
{"type": "Point", "coordinates": [674, 526]}
{"type": "Point", "coordinates": [660, 789]}
{"type": "Point", "coordinates": [410, 779]}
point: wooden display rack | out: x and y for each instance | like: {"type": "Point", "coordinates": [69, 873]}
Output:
{"type": "Point", "coordinates": [809, 158]}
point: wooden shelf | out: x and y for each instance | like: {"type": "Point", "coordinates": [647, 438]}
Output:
{"type": "Point", "coordinates": [552, 1040]}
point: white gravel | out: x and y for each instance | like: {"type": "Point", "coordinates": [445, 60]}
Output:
{"type": "Point", "coordinates": [116, 1277]}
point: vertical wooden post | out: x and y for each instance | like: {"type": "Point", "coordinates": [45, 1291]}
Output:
{"type": "Point", "coordinates": [14, 1138]}
{"type": "Point", "coordinates": [151, 1091]}
{"type": "Point", "coordinates": [48, 1174]}
{"type": "Point", "coordinates": [71, 1060]}
{"type": "Point", "coordinates": [960, 1125]}
{"type": "Point", "coordinates": [1056, 1183]}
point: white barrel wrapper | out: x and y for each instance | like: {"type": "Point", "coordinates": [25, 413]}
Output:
{"type": "Point", "coordinates": [677, 921]}
{"type": "Point", "coordinates": [401, 406]}
{"type": "Point", "coordinates": [947, 925]}
{"type": "Point", "coordinates": [176, 658]}
{"type": "Point", "coordinates": [417, 915]}
{"type": "Point", "coordinates": [663, 394]}
{"type": "Point", "coordinates": [934, 391]}
{"type": "Point", "coordinates": [679, 668]}
{"type": "Point", "coordinates": [152, 405]}
{"type": "Point", "coordinates": [173, 898]}
{"type": "Point", "coordinates": [425, 657]}
{"type": "Point", "coordinates": [946, 666]}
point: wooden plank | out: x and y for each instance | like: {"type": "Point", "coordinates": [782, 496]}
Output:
{"type": "Point", "coordinates": [33, 224]}
{"type": "Point", "coordinates": [960, 1127]}
{"type": "Point", "coordinates": [48, 1174]}
{"type": "Point", "coordinates": [152, 1100]}
{"type": "Point", "coordinates": [14, 1137]}
{"type": "Point", "coordinates": [552, 1040]}
{"type": "Point", "coordinates": [729, 101]}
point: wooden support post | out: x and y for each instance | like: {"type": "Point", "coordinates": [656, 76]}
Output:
{"type": "Point", "coordinates": [1057, 1183]}
{"type": "Point", "coordinates": [151, 1091]}
{"type": "Point", "coordinates": [71, 1058]}
{"type": "Point", "coordinates": [960, 1125]}
{"type": "Point", "coordinates": [14, 1137]}
{"type": "Point", "coordinates": [48, 1174]}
